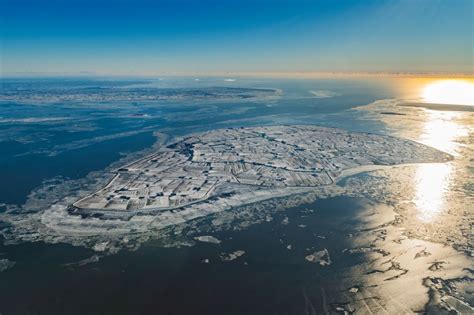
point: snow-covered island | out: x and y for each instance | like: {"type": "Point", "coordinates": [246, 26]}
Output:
{"type": "Point", "coordinates": [230, 166]}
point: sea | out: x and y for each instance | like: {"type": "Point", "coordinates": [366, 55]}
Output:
{"type": "Point", "coordinates": [46, 138]}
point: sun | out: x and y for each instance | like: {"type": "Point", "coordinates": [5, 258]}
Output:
{"type": "Point", "coordinates": [456, 92]}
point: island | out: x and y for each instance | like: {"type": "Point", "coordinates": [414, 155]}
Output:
{"type": "Point", "coordinates": [210, 171]}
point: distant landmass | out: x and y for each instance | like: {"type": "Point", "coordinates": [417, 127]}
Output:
{"type": "Point", "coordinates": [443, 107]}
{"type": "Point", "coordinates": [101, 93]}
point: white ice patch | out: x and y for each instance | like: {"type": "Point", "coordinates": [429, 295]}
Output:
{"type": "Point", "coordinates": [232, 256]}
{"type": "Point", "coordinates": [6, 264]}
{"type": "Point", "coordinates": [207, 239]}
{"type": "Point", "coordinates": [324, 94]}
{"type": "Point", "coordinates": [322, 257]}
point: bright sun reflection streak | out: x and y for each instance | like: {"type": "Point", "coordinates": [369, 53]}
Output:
{"type": "Point", "coordinates": [458, 92]}
{"type": "Point", "coordinates": [440, 131]}
{"type": "Point", "coordinates": [432, 181]}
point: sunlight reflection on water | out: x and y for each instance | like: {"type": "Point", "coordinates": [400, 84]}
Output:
{"type": "Point", "coordinates": [432, 183]}
{"type": "Point", "coordinates": [440, 130]}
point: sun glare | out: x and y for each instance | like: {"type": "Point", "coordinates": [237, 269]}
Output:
{"type": "Point", "coordinates": [456, 92]}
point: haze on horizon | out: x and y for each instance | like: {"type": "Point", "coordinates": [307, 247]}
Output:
{"type": "Point", "coordinates": [185, 36]}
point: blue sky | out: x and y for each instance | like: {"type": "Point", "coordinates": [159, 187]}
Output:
{"type": "Point", "coordinates": [191, 36]}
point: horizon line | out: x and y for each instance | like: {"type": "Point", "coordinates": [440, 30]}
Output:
{"type": "Point", "coordinates": [276, 74]}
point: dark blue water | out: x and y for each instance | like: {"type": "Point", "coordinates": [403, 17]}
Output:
{"type": "Point", "coordinates": [267, 279]}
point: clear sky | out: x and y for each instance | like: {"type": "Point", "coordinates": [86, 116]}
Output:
{"type": "Point", "coordinates": [201, 36]}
